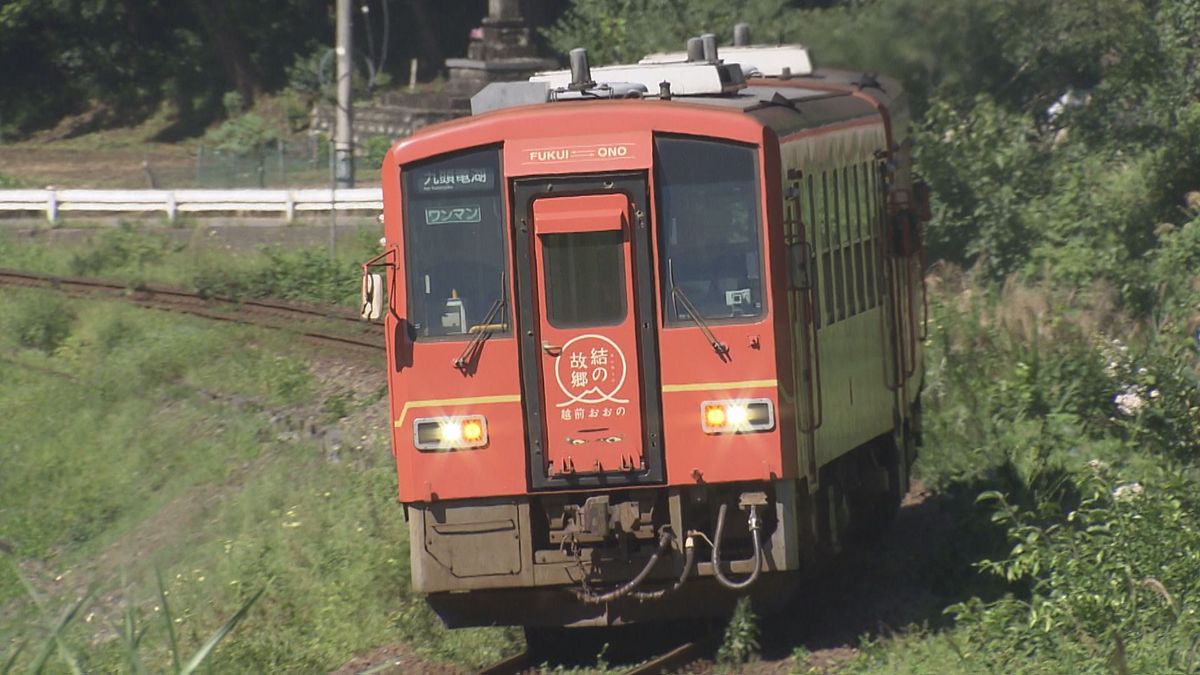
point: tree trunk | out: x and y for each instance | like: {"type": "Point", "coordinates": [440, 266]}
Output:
{"type": "Point", "coordinates": [431, 55]}
{"type": "Point", "coordinates": [229, 45]}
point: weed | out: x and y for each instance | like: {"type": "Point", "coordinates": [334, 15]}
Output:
{"type": "Point", "coordinates": [337, 405]}
{"type": "Point", "coordinates": [41, 322]}
{"type": "Point", "coordinates": [800, 658]}
{"type": "Point", "coordinates": [11, 182]}
{"type": "Point", "coordinates": [741, 641]}
{"type": "Point", "coordinates": [122, 249]}
{"type": "Point", "coordinates": [288, 380]}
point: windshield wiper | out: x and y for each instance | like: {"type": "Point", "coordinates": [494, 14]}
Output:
{"type": "Point", "coordinates": [719, 347]}
{"type": "Point", "coordinates": [484, 331]}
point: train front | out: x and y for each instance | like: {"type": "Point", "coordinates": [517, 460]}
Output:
{"type": "Point", "coordinates": [591, 420]}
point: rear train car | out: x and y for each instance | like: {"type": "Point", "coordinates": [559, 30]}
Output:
{"type": "Point", "coordinates": [652, 335]}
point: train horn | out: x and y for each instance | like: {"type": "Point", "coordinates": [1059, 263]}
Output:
{"type": "Point", "coordinates": [741, 35]}
{"type": "Point", "coordinates": [581, 73]}
{"type": "Point", "coordinates": [710, 47]}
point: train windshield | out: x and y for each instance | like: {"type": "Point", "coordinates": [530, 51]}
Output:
{"type": "Point", "coordinates": [708, 214]}
{"type": "Point", "coordinates": [454, 245]}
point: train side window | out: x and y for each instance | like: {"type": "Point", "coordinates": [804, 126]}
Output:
{"type": "Point", "coordinates": [454, 243]}
{"type": "Point", "coordinates": [710, 228]}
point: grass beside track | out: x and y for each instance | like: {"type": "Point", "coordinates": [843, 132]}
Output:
{"type": "Point", "coordinates": [132, 441]}
{"type": "Point", "coordinates": [194, 257]}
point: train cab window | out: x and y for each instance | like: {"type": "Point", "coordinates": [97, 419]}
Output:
{"type": "Point", "coordinates": [454, 245]}
{"type": "Point", "coordinates": [709, 228]}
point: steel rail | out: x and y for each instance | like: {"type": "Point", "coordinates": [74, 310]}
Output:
{"type": "Point", "coordinates": [248, 312]}
{"type": "Point", "coordinates": [671, 661]}
{"type": "Point", "coordinates": [667, 662]}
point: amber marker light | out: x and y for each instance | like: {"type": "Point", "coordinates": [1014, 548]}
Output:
{"type": "Point", "coordinates": [472, 430]}
{"type": "Point", "coordinates": [737, 416]}
{"type": "Point", "coordinates": [714, 416]}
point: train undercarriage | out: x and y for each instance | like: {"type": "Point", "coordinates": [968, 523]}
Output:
{"type": "Point", "coordinates": [618, 557]}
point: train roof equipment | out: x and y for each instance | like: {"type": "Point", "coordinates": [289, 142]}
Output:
{"type": "Point", "coordinates": [756, 61]}
{"type": "Point", "coordinates": [700, 71]}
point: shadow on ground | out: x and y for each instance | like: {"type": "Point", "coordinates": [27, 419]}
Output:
{"type": "Point", "coordinates": [922, 564]}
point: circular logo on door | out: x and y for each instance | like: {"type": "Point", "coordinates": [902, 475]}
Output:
{"type": "Point", "coordinates": [591, 369]}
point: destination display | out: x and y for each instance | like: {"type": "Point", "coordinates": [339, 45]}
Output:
{"type": "Point", "coordinates": [455, 180]}
{"type": "Point", "coordinates": [448, 215]}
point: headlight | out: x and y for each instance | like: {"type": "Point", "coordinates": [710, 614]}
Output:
{"type": "Point", "coordinates": [450, 433]}
{"type": "Point", "coordinates": [737, 416]}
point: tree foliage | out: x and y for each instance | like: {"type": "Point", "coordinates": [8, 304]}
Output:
{"type": "Point", "coordinates": [114, 62]}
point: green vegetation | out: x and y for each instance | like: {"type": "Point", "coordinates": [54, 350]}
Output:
{"type": "Point", "coordinates": [741, 640]}
{"type": "Point", "coordinates": [143, 441]}
{"type": "Point", "coordinates": [186, 259]}
{"type": "Point", "coordinates": [113, 63]}
{"type": "Point", "coordinates": [10, 182]}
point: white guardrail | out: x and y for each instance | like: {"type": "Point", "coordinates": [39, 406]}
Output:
{"type": "Point", "coordinates": [173, 202]}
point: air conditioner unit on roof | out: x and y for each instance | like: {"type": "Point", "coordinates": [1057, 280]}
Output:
{"type": "Point", "coordinates": [687, 79]}
{"type": "Point", "coordinates": [758, 61]}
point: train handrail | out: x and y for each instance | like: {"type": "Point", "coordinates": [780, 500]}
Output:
{"type": "Point", "coordinates": [815, 400]}
{"type": "Point", "coordinates": [816, 412]}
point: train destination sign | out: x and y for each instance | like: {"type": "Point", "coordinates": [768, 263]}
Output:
{"type": "Point", "coordinates": [445, 181]}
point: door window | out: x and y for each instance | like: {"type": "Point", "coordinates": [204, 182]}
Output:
{"type": "Point", "coordinates": [585, 278]}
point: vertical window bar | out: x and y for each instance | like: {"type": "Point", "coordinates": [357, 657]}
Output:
{"type": "Point", "coordinates": [861, 250]}
{"type": "Point", "coordinates": [812, 235]}
{"type": "Point", "coordinates": [827, 247]}
{"type": "Point", "coordinates": [877, 228]}
{"type": "Point", "coordinates": [848, 248]}
{"type": "Point", "coordinates": [869, 203]}
{"type": "Point", "coordinates": [839, 243]}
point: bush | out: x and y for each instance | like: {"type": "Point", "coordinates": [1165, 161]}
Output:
{"type": "Point", "coordinates": [41, 322]}
{"type": "Point", "coordinates": [293, 275]}
{"type": "Point", "coordinates": [374, 150]}
{"type": "Point", "coordinates": [1112, 581]}
{"type": "Point", "coordinates": [122, 249]}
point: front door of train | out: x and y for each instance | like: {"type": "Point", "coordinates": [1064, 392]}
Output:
{"type": "Point", "coordinates": [588, 350]}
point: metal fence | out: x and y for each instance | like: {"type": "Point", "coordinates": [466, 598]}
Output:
{"type": "Point", "coordinates": [296, 163]}
{"type": "Point", "coordinates": [283, 165]}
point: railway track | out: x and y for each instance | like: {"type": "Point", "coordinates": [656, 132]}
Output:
{"type": "Point", "coordinates": [671, 660]}
{"type": "Point", "coordinates": [326, 326]}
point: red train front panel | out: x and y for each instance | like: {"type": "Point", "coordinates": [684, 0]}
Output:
{"type": "Point", "coordinates": [585, 311]}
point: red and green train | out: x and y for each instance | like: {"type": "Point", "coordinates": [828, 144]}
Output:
{"type": "Point", "coordinates": [652, 334]}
